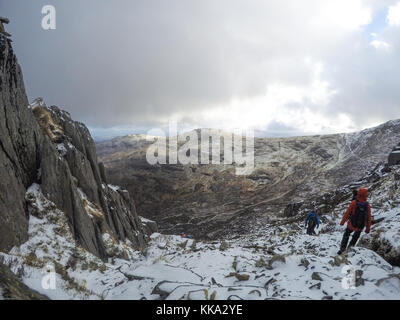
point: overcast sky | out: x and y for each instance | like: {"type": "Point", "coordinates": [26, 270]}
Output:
{"type": "Point", "coordinates": [284, 67]}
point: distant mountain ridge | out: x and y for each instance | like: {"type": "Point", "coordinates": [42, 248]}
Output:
{"type": "Point", "coordinates": [286, 170]}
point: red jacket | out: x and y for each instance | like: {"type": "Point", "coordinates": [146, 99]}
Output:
{"type": "Point", "coordinates": [361, 197]}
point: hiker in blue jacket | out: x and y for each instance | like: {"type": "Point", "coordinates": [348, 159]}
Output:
{"type": "Point", "coordinates": [312, 221]}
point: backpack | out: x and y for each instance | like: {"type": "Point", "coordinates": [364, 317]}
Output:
{"type": "Point", "coordinates": [359, 218]}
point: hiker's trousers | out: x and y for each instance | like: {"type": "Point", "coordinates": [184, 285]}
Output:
{"type": "Point", "coordinates": [346, 236]}
{"type": "Point", "coordinates": [310, 229]}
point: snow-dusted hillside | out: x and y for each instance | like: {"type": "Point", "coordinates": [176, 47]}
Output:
{"type": "Point", "coordinates": [180, 198]}
{"type": "Point", "coordinates": [275, 261]}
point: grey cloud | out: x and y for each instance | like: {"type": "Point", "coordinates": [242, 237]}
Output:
{"type": "Point", "coordinates": [368, 80]}
{"type": "Point", "coordinates": [119, 63]}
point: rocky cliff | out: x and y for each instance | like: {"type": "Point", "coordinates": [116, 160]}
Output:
{"type": "Point", "coordinates": [44, 147]}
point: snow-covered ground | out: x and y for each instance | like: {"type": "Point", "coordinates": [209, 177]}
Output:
{"type": "Point", "coordinates": [273, 262]}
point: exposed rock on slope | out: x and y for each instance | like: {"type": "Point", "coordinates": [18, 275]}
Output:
{"type": "Point", "coordinates": [43, 146]}
{"type": "Point", "coordinates": [11, 288]}
{"type": "Point", "coordinates": [384, 238]}
{"type": "Point", "coordinates": [394, 157]}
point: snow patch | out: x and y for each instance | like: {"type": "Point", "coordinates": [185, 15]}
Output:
{"type": "Point", "coordinates": [61, 149]}
{"type": "Point", "coordinates": [114, 188]}
{"type": "Point", "coordinates": [38, 102]}
{"type": "Point", "coordinates": [144, 220]}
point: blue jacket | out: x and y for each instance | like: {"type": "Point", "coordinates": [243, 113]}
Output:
{"type": "Point", "coordinates": [312, 214]}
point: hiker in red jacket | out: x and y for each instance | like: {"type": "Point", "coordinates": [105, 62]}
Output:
{"type": "Point", "coordinates": [358, 216]}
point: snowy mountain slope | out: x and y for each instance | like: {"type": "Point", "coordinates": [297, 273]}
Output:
{"type": "Point", "coordinates": [274, 261]}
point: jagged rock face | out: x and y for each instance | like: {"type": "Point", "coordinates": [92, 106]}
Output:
{"type": "Point", "coordinates": [20, 138]}
{"type": "Point", "coordinates": [209, 200]}
{"type": "Point", "coordinates": [44, 146]}
{"type": "Point", "coordinates": [82, 171]}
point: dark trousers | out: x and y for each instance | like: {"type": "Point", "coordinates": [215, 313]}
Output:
{"type": "Point", "coordinates": [345, 239]}
{"type": "Point", "coordinates": [310, 229]}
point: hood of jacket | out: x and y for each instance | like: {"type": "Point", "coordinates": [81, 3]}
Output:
{"type": "Point", "coordinates": [362, 195]}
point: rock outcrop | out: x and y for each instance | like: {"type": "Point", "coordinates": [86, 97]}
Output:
{"type": "Point", "coordinates": [44, 146]}
{"type": "Point", "coordinates": [2, 29]}
{"type": "Point", "coordinates": [394, 157]}
{"type": "Point", "coordinates": [11, 288]}
{"type": "Point", "coordinates": [384, 237]}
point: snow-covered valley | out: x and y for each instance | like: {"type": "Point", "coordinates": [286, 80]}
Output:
{"type": "Point", "coordinates": [204, 199]}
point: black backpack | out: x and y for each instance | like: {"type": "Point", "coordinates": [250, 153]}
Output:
{"type": "Point", "coordinates": [359, 218]}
